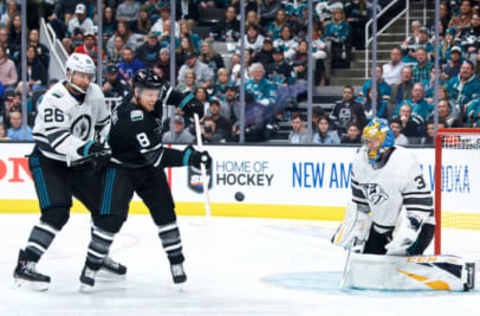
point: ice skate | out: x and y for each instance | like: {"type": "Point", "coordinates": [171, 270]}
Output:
{"type": "Point", "coordinates": [87, 279]}
{"type": "Point", "coordinates": [26, 276]}
{"type": "Point", "coordinates": [178, 273]}
{"type": "Point", "coordinates": [111, 271]}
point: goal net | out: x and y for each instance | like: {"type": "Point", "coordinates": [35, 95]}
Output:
{"type": "Point", "coordinates": [457, 191]}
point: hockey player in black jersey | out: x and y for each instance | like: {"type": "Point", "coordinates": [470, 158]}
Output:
{"type": "Point", "coordinates": [71, 115]}
{"type": "Point", "coordinates": [137, 163]}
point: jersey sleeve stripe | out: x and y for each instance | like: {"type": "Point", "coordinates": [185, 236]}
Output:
{"type": "Point", "coordinates": [40, 137]}
{"type": "Point", "coordinates": [358, 201]}
{"type": "Point", "coordinates": [105, 121]}
{"type": "Point", "coordinates": [419, 208]}
{"type": "Point", "coordinates": [57, 135]}
{"type": "Point", "coordinates": [416, 193]}
{"type": "Point", "coordinates": [157, 147]}
{"type": "Point", "coordinates": [383, 226]}
{"type": "Point", "coordinates": [419, 201]}
{"type": "Point", "coordinates": [354, 182]}
{"type": "Point", "coordinates": [358, 193]}
{"type": "Point", "coordinates": [60, 140]}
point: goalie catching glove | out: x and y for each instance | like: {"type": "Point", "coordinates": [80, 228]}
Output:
{"type": "Point", "coordinates": [194, 158]}
{"type": "Point", "coordinates": [405, 239]}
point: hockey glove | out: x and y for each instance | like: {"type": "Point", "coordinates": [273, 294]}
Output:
{"type": "Point", "coordinates": [404, 239]}
{"type": "Point", "coordinates": [95, 155]}
{"type": "Point", "coordinates": [194, 158]}
{"type": "Point", "coordinates": [191, 105]}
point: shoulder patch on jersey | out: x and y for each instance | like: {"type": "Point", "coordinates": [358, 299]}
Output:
{"type": "Point", "coordinates": [136, 115]}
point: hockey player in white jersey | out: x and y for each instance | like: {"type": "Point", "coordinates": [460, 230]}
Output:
{"type": "Point", "coordinates": [73, 121]}
{"type": "Point", "coordinates": [391, 213]}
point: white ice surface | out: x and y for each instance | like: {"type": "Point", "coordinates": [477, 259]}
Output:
{"type": "Point", "coordinates": [235, 267]}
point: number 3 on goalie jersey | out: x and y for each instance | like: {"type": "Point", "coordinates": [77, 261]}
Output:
{"type": "Point", "coordinates": [143, 140]}
{"type": "Point", "coordinates": [420, 182]}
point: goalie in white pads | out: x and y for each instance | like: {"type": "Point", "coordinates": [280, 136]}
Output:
{"type": "Point", "coordinates": [385, 180]}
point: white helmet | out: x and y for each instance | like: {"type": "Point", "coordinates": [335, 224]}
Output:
{"type": "Point", "coordinates": [81, 63]}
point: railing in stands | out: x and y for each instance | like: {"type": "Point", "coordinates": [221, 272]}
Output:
{"type": "Point", "coordinates": [56, 68]}
{"type": "Point", "coordinates": [368, 39]}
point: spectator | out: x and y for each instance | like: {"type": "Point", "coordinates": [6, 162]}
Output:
{"type": "Point", "coordinates": [203, 73]}
{"type": "Point", "coordinates": [472, 113]}
{"type": "Point", "coordinates": [4, 39]}
{"type": "Point", "coordinates": [409, 46]}
{"type": "Point", "coordinates": [189, 84]}
{"type": "Point", "coordinates": [179, 135]}
{"type": "Point", "coordinates": [401, 92]}
{"type": "Point", "coordinates": [463, 19]}
{"type": "Point", "coordinates": [464, 87]}
{"type": "Point", "coordinates": [338, 32]}
{"type": "Point", "coordinates": [36, 72]}
{"type": "Point", "coordinates": [128, 11]}
{"type": "Point", "coordinates": [76, 40]}
{"type": "Point", "coordinates": [89, 47]}
{"type": "Point", "coordinates": [232, 102]}
{"type": "Point", "coordinates": [446, 115]}
{"type": "Point", "coordinates": [421, 71]}
{"type": "Point", "coordinates": [396, 126]}
{"type": "Point", "coordinates": [8, 72]}
{"type": "Point", "coordinates": [393, 70]}
{"type": "Point", "coordinates": [275, 27]}
{"type": "Point", "coordinates": [383, 91]}
{"type": "Point", "coordinates": [469, 37]}
{"type": "Point", "coordinates": [158, 27]}
{"type": "Point", "coordinates": [317, 112]}
{"type": "Point", "coordinates": [236, 67]}
{"type": "Point", "coordinates": [228, 29]}
{"type": "Point", "coordinates": [429, 86]}
{"type": "Point", "coordinates": [300, 62]}
{"type": "Point", "coordinates": [320, 53]}
{"type": "Point", "coordinates": [164, 38]}
{"type": "Point", "coordinates": [286, 42]}
{"type": "Point", "coordinates": [114, 56]}
{"type": "Point", "coordinates": [452, 67]}
{"type": "Point", "coordinates": [299, 133]}
{"type": "Point", "coordinates": [3, 132]}
{"type": "Point", "coordinates": [144, 23]}
{"type": "Point", "coordinates": [263, 90]}
{"type": "Point", "coordinates": [81, 20]}
{"type": "Point", "coordinates": [420, 107]}
{"type": "Point", "coordinates": [429, 138]}
{"type": "Point", "coordinates": [8, 15]}
{"type": "Point", "coordinates": [381, 107]}
{"type": "Point", "coordinates": [186, 47]}
{"type": "Point", "coordinates": [353, 135]}
{"type": "Point", "coordinates": [186, 10]}
{"type": "Point", "coordinates": [16, 130]}
{"type": "Point", "coordinates": [280, 72]}
{"type": "Point", "coordinates": [264, 56]}
{"type": "Point", "coordinates": [64, 9]}
{"type": "Point", "coordinates": [129, 38]}
{"type": "Point", "coordinates": [129, 65]}
{"type": "Point", "coordinates": [186, 31]}
{"type": "Point", "coordinates": [115, 86]}
{"type": "Point", "coordinates": [268, 11]}
{"type": "Point", "coordinates": [221, 84]}
{"type": "Point", "coordinates": [201, 94]}
{"type": "Point", "coordinates": [148, 52]}
{"type": "Point", "coordinates": [347, 111]}
{"type": "Point", "coordinates": [252, 18]}
{"type": "Point", "coordinates": [109, 24]}
{"type": "Point", "coordinates": [324, 136]}
{"type": "Point", "coordinates": [42, 51]}
{"type": "Point", "coordinates": [209, 132]}
{"type": "Point", "coordinates": [411, 127]}
{"type": "Point", "coordinates": [253, 38]}
{"type": "Point", "coordinates": [211, 58]}
{"type": "Point", "coordinates": [325, 9]}
{"type": "Point", "coordinates": [222, 125]}
{"type": "Point", "coordinates": [445, 15]}
{"type": "Point", "coordinates": [164, 64]}
{"type": "Point", "coordinates": [447, 44]}
{"type": "Point", "coordinates": [357, 17]}
{"type": "Point", "coordinates": [15, 37]}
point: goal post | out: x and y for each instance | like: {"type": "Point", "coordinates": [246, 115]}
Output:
{"type": "Point", "coordinates": [457, 150]}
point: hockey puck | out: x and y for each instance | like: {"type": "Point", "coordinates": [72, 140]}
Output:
{"type": "Point", "coordinates": [239, 196]}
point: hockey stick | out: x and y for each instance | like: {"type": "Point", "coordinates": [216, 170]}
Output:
{"type": "Point", "coordinates": [346, 268]}
{"type": "Point", "coordinates": [203, 170]}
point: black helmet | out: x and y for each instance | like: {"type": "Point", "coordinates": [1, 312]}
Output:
{"type": "Point", "coordinates": [147, 78]}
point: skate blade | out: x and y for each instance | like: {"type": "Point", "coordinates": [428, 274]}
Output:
{"type": "Point", "coordinates": [32, 285]}
{"type": "Point", "coordinates": [85, 288]}
{"type": "Point", "coordinates": [107, 276]}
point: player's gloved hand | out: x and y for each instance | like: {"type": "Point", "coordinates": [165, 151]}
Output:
{"type": "Point", "coordinates": [195, 158]}
{"type": "Point", "coordinates": [94, 155]}
{"type": "Point", "coordinates": [405, 239]}
{"type": "Point", "coordinates": [191, 105]}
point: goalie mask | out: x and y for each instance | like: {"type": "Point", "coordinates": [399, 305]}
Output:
{"type": "Point", "coordinates": [378, 137]}
{"type": "Point", "coordinates": [84, 66]}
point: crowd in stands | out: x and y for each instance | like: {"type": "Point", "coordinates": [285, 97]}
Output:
{"type": "Point", "coordinates": [138, 34]}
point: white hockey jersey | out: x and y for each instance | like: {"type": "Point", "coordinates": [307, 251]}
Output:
{"type": "Point", "coordinates": [400, 182]}
{"type": "Point", "coordinates": [62, 124]}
